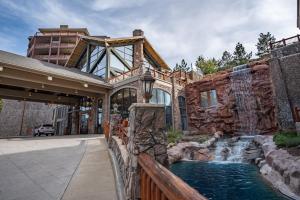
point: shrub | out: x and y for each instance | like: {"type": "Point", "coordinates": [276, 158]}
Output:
{"type": "Point", "coordinates": [286, 139]}
{"type": "Point", "coordinates": [174, 135]}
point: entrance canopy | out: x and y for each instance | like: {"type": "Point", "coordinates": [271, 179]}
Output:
{"type": "Point", "coordinates": [23, 78]}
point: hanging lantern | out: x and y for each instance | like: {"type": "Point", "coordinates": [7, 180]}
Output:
{"type": "Point", "coordinates": [147, 81]}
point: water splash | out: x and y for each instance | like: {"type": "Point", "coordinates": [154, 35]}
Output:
{"type": "Point", "coordinates": [241, 85]}
{"type": "Point", "coordinates": [231, 150]}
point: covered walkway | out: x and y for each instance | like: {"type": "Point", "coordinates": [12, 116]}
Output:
{"type": "Point", "coordinates": [23, 78]}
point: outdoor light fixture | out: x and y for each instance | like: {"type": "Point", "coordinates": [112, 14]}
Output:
{"type": "Point", "coordinates": [85, 85]}
{"type": "Point", "coordinates": [50, 78]}
{"type": "Point", "coordinates": [76, 91]}
{"type": "Point", "coordinates": [1, 68]}
{"type": "Point", "coordinates": [148, 81]}
{"type": "Point", "coordinates": [29, 94]}
{"type": "Point", "coordinates": [43, 86]}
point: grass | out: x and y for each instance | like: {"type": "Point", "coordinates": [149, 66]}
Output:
{"type": "Point", "coordinates": [174, 135]}
{"type": "Point", "coordinates": [287, 139]}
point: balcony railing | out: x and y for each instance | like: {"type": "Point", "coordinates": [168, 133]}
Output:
{"type": "Point", "coordinates": [284, 42]}
{"type": "Point", "coordinates": [158, 183]}
{"type": "Point", "coordinates": [51, 57]}
{"type": "Point", "coordinates": [131, 73]}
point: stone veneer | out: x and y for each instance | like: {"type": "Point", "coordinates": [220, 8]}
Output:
{"type": "Point", "coordinates": [222, 117]}
{"type": "Point", "coordinates": [146, 134]}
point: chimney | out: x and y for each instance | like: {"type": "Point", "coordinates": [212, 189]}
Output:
{"type": "Point", "coordinates": [64, 26]}
{"type": "Point", "coordinates": [138, 32]}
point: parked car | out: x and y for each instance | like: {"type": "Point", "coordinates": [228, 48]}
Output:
{"type": "Point", "coordinates": [45, 129]}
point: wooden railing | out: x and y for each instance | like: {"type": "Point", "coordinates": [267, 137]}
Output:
{"type": "Point", "coordinates": [165, 76]}
{"type": "Point", "coordinates": [125, 75]}
{"type": "Point", "coordinates": [158, 183]}
{"type": "Point", "coordinates": [284, 42]}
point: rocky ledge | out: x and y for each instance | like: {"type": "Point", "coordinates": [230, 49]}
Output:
{"type": "Point", "coordinates": [276, 165]}
{"type": "Point", "coordinates": [193, 150]}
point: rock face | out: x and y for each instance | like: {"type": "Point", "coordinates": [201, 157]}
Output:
{"type": "Point", "coordinates": [224, 117]}
{"type": "Point", "coordinates": [193, 150]}
{"type": "Point", "coordinates": [279, 167]}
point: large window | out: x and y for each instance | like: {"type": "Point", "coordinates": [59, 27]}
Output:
{"type": "Point", "coordinates": [122, 100]}
{"type": "Point", "coordinates": [161, 97]}
{"type": "Point", "coordinates": [208, 98]}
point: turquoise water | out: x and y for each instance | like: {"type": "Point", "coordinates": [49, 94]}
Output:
{"type": "Point", "coordinates": [230, 181]}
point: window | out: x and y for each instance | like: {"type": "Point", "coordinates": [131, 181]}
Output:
{"type": "Point", "coordinates": [208, 98]}
{"type": "Point", "coordinates": [123, 99]}
{"type": "Point", "coordinates": [161, 97]}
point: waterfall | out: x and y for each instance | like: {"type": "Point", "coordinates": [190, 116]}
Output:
{"type": "Point", "coordinates": [241, 86]}
{"type": "Point", "coordinates": [231, 150]}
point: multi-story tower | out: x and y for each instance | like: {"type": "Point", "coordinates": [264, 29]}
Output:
{"type": "Point", "coordinates": [54, 45]}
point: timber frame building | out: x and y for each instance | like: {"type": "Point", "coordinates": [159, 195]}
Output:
{"type": "Point", "coordinates": [99, 80]}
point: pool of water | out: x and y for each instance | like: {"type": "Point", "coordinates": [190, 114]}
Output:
{"type": "Point", "coordinates": [230, 181]}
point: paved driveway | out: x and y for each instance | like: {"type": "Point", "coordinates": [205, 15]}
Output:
{"type": "Point", "coordinates": [38, 168]}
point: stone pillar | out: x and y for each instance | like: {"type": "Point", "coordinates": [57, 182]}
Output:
{"type": "Point", "coordinates": [75, 120]}
{"type": "Point", "coordinates": [138, 58]}
{"type": "Point", "coordinates": [281, 99]}
{"type": "Point", "coordinates": [93, 117]}
{"type": "Point", "coordinates": [147, 134]}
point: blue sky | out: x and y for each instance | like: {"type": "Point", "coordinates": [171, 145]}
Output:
{"type": "Point", "coordinates": [176, 28]}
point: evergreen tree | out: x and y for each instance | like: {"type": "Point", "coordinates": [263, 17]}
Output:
{"type": "Point", "coordinates": [226, 60]}
{"type": "Point", "coordinates": [182, 66]}
{"type": "Point", "coordinates": [263, 43]}
{"type": "Point", "coordinates": [207, 66]}
{"type": "Point", "coordinates": [1, 104]}
{"type": "Point", "coordinates": [240, 56]}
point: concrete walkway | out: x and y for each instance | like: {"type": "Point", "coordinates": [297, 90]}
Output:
{"type": "Point", "coordinates": [54, 168]}
{"type": "Point", "coordinates": [94, 177]}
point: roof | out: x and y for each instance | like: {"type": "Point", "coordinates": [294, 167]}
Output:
{"type": "Point", "coordinates": [49, 69]}
{"type": "Point", "coordinates": [81, 45]}
{"type": "Point", "coordinates": [50, 30]}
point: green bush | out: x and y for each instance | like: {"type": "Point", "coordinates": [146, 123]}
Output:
{"type": "Point", "coordinates": [174, 135]}
{"type": "Point", "coordinates": [287, 139]}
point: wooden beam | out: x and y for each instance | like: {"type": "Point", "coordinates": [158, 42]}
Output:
{"type": "Point", "coordinates": [107, 70]}
{"type": "Point", "coordinates": [119, 57]}
{"type": "Point", "coordinates": [37, 97]}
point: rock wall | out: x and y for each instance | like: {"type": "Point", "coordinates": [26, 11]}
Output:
{"type": "Point", "coordinates": [223, 117]}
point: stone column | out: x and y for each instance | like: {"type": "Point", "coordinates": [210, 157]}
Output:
{"type": "Point", "coordinates": [75, 120]}
{"type": "Point", "coordinates": [147, 134]}
{"type": "Point", "coordinates": [93, 117]}
{"type": "Point", "coordinates": [138, 58]}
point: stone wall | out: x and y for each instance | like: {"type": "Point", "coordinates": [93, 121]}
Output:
{"type": "Point", "coordinates": [223, 117]}
{"type": "Point", "coordinates": [35, 114]}
{"type": "Point", "coordinates": [285, 71]}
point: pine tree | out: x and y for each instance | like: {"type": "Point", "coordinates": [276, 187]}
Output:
{"type": "Point", "coordinates": [226, 60]}
{"type": "Point", "coordinates": [182, 66]}
{"type": "Point", "coordinates": [263, 43]}
{"type": "Point", "coordinates": [240, 56]}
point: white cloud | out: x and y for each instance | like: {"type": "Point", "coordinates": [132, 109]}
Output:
{"type": "Point", "coordinates": [177, 29]}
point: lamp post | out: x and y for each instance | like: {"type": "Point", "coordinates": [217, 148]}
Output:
{"type": "Point", "coordinates": [147, 81]}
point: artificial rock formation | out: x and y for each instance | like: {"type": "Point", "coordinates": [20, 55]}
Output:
{"type": "Point", "coordinates": [224, 116]}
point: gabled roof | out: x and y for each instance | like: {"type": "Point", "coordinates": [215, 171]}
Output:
{"type": "Point", "coordinates": [104, 41]}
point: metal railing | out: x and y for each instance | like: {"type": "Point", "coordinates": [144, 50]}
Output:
{"type": "Point", "coordinates": [284, 42]}
{"type": "Point", "coordinates": [158, 183]}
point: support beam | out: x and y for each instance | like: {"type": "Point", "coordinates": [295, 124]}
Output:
{"type": "Point", "coordinates": [107, 71]}
{"type": "Point", "coordinates": [88, 57]}
{"type": "Point", "coordinates": [150, 59]}
{"type": "Point", "coordinates": [119, 57]}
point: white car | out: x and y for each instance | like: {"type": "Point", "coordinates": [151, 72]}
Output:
{"type": "Point", "coordinates": [45, 129]}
